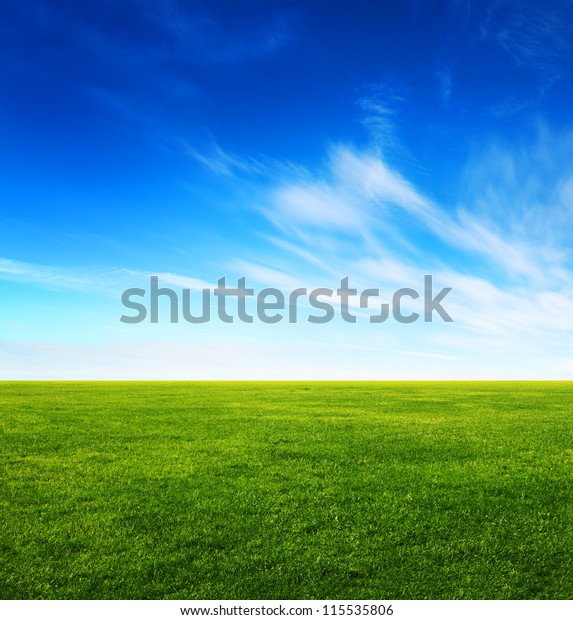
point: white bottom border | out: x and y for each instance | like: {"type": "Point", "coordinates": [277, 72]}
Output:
{"type": "Point", "coordinates": [343, 610]}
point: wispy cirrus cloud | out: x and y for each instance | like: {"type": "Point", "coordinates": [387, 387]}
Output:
{"type": "Point", "coordinates": [98, 281]}
{"type": "Point", "coordinates": [534, 35]}
{"type": "Point", "coordinates": [360, 194]}
{"type": "Point", "coordinates": [520, 279]}
{"type": "Point", "coordinates": [222, 162]}
{"type": "Point", "coordinates": [204, 32]}
{"type": "Point", "coordinates": [89, 280]}
{"type": "Point", "coordinates": [445, 84]}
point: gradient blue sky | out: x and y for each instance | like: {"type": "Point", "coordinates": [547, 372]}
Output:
{"type": "Point", "coordinates": [294, 143]}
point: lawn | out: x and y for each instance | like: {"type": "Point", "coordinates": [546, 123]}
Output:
{"type": "Point", "coordinates": [282, 490]}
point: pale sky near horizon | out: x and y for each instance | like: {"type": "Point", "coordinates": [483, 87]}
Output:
{"type": "Point", "coordinates": [295, 144]}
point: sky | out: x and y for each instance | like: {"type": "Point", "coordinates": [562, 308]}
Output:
{"type": "Point", "coordinates": [293, 144]}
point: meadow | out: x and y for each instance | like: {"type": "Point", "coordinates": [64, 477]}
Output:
{"type": "Point", "coordinates": [286, 490]}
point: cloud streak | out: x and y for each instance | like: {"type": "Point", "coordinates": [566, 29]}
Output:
{"type": "Point", "coordinates": [361, 196]}
{"type": "Point", "coordinates": [97, 281]}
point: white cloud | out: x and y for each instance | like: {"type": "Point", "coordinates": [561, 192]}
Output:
{"type": "Point", "coordinates": [381, 105]}
{"type": "Point", "coordinates": [89, 280]}
{"type": "Point", "coordinates": [222, 162]}
{"type": "Point", "coordinates": [358, 194]}
{"type": "Point", "coordinates": [194, 284]}
{"type": "Point", "coordinates": [98, 281]}
{"type": "Point", "coordinates": [317, 205]}
{"type": "Point", "coordinates": [519, 287]}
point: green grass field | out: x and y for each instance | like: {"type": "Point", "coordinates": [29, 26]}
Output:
{"type": "Point", "coordinates": [286, 490]}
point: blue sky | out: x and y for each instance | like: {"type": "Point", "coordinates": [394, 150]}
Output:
{"type": "Point", "coordinates": [294, 143]}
